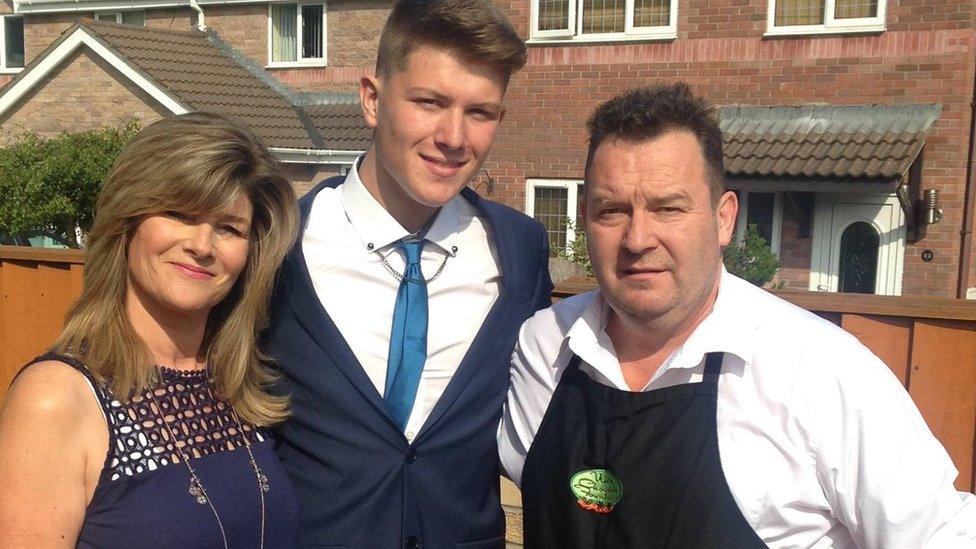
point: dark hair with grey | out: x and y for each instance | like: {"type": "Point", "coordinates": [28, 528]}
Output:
{"type": "Point", "coordinates": [475, 29]}
{"type": "Point", "coordinates": [646, 113]}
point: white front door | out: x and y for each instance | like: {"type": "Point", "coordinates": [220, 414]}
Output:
{"type": "Point", "coordinates": [858, 244]}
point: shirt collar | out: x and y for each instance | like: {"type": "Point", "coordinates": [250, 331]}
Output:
{"type": "Point", "coordinates": [377, 229]}
{"type": "Point", "coordinates": [723, 330]}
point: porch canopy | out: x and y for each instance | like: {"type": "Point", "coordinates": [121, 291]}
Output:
{"type": "Point", "coordinates": [823, 148]}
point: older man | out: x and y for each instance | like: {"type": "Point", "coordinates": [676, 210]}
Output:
{"type": "Point", "coordinates": [679, 406]}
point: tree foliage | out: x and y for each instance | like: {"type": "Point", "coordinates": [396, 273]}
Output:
{"type": "Point", "coordinates": [51, 184]}
{"type": "Point", "coordinates": [751, 260]}
{"type": "Point", "coordinates": [577, 251]}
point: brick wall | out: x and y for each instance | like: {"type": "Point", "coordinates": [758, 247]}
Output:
{"type": "Point", "coordinates": [305, 176]}
{"type": "Point", "coordinates": [85, 93]}
{"type": "Point", "coordinates": [927, 56]}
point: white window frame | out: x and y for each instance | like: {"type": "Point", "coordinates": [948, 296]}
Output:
{"type": "Point", "coordinates": [117, 15]}
{"type": "Point", "coordinates": [300, 61]}
{"type": "Point", "coordinates": [3, 46]}
{"type": "Point", "coordinates": [830, 25]}
{"type": "Point", "coordinates": [740, 222]}
{"type": "Point", "coordinates": [575, 21]}
{"type": "Point", "coordinates": [572, 198]}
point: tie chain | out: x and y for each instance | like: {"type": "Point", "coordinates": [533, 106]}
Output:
{"type": "Point", "coordinates": [399, 276]}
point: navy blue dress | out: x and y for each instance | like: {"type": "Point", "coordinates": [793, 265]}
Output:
{"type": "Point", "coordinates": [142, 497]}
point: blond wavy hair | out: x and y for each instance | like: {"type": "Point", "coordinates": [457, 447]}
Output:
{"type": "Point", "coordinates": [193, 163]}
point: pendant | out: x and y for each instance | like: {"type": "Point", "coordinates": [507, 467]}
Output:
{"type": "Point", "coordinates": [262, 481]}
{"type": "Point", "coordinates": [196, 490]}
{"type": "Point", "coordinates": [596, 490]}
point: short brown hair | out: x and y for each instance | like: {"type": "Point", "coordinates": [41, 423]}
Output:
{"type": "Point", "coordinates": [475, 29]}
{"type": "Point", "coordinates": [646, 113]}
{"type": "Point", "coordinates": [192, 163]}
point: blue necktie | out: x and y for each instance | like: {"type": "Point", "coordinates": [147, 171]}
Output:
{"type": "Point", "coordinates": [408, 337]}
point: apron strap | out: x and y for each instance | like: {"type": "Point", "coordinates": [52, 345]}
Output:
{"type": "Point", "coordinates": [713, 367]}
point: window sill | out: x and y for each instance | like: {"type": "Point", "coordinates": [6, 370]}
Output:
{"type": "Point", "coordinates": [808, 30]}
{"type": "Point", "coordinates": [319, 64]}
{"type": "Point", "coordinates": [600, 39]}
{"type": "Point", "coordinates": [11, 71]}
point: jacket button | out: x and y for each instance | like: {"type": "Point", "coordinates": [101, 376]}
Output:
{"type": "Point", "coordinates": [411, 457]}
{"type": "Point", "coordinates": [413, 542]}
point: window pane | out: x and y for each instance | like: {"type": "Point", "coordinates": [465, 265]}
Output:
{"type": "Point", "coordinates": [852, 9]}
{"type": "Point", "coordinates": [760, 214]}
{"type": "Point", "coordinates": [858, 259]}
{"type": "Point", "coordinates": [600, 16]}
{"type": "Point", "coordinates": [312, 32]}
{"type": "Point", "coordinates": [553, 14]}
{"type": "Point", "coordinates": [13, 28]}
{"type": "Point", "coordinates": [550, 210]}
{"type": "Point", "coordinates": [284, 32]}
{"type": "Point", "coordinates": [111, 16]}
{"type": "Point", "coordinates": [799, 12]}
{"type": "Point", "coordinates": [652, 13]}
{"type": "Point", "coordinates": [137, 17]}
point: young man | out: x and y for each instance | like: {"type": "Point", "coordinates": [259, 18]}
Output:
{"type": "Point", "coordinates": [399, 307]}
{"type": "Point", "coordinates": [681, 407]}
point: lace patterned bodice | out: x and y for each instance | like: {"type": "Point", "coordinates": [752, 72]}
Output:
{"type": "Point", "coordinates": [203, 425]}
{"type": "Point", "coordinates": [142, 498]}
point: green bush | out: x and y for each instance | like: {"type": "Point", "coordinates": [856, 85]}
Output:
{"type": "Point", "coordinates": [752, 260]}
{"type": "Point", "coordinates": [51, 184]}
{"type": "Point", "coordinates": [577, 252]}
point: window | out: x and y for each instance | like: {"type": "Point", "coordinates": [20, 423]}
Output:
{"type": "Point", "coordinates": [603, 20]}
{"type": "Point", "coordinates": [553, 203]}
{"type": "Point", "coordinates": [858, 270]}
{"type": "Point", "coordinates": [765, 211]}
{"type": "Point", "coordinates": [12, 35]}
{"type": "Point", "coordinates": [825, 16]}
{"type": "Point", "coordinates": [132, 17]}
{"type": "Point", "coordinates": [296, 34]}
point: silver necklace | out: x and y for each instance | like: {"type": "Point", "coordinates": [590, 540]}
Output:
{"type": "Point", "coordinates": [196, 488]}
{"type": "Point", "coordinates": [399, 276]}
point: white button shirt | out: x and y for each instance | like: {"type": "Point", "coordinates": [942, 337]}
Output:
{"type": "Point", "coordinates": [820, 444]}
{"type": "Point", "coordinates": [347, 233]}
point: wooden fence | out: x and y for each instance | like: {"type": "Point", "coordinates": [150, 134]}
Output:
{"type": "Point", "coordinates": [930, 343]}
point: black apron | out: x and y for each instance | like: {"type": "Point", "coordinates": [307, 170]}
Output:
{"type": "Point", "coordinates": [619, 469]}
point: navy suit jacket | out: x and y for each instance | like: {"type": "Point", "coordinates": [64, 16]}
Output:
{"type": "Point", "coordinates": [359, 483]}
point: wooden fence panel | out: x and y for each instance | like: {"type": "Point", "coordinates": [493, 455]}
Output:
{"type": "Point", "coordinates": [943, 385]}
{"type": "Point", "coordinates": [888, 337]}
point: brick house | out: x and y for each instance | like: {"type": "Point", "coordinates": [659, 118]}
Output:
{"type": "Point", "coordinates": [840, 115]}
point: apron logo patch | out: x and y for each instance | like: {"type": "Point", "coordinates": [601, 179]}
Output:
{"type": "Point", "coordinates": [596, 490]}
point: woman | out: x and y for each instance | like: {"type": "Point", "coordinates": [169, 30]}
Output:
{"type": "Point", "coordinates": [142, 427]}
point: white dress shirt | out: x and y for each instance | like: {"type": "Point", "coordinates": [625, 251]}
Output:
{"type": "Point", "coordinates": [820, 444]}
{"type": "Point", "coordinates": [347, 233]}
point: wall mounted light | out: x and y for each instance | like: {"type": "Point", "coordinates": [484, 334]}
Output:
{"type": "Point", "coordinates": [931, 213]}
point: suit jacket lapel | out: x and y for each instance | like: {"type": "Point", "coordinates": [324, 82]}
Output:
{"type": "Point", "coordinates": [510, 268]}
{"type": "Point", "coordinates": [315, 319]}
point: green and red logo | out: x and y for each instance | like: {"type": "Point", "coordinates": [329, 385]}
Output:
{"type": "Point", "coordinates": [596, 490]}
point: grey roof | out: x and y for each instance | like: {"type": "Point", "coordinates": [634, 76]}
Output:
{"type": "Point", "coordinates": [824, 141]}
{"type": "Point", "coordinates": [203, 73]}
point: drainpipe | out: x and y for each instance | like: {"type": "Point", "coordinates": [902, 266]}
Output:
{"type": "Point", "coordinates": [201, 24]}
{"type": "Point", "coordinates": [965, 253]}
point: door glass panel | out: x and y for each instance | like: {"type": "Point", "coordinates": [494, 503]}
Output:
{"type": "Point", "coordinates": [859, 245]}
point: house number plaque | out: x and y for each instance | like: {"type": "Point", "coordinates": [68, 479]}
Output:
{"type": "Point", "coordinates": [927, 255]}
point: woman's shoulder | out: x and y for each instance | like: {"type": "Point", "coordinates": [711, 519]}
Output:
{"type": "Point", "coordinates": [52, 390]}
